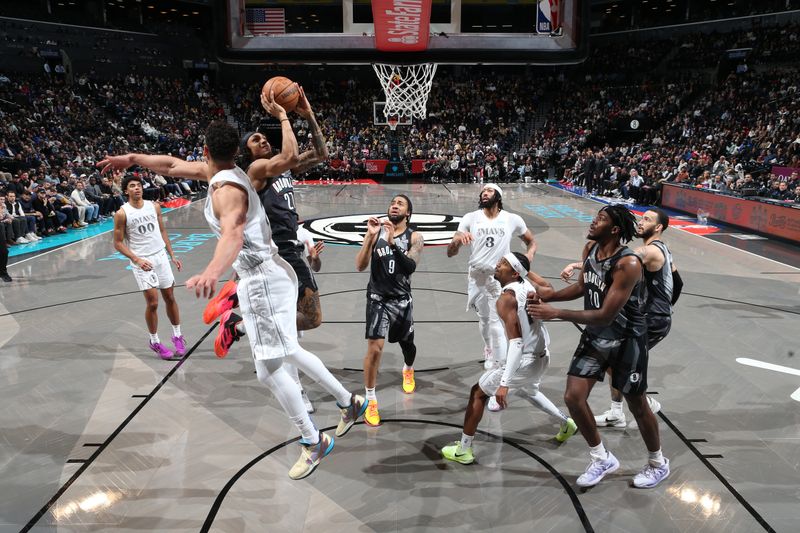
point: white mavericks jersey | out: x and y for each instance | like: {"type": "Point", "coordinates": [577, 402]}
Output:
{"type": "Point", "coordinates": [258, 246]}
{"type": "Point", "coordinates": [141, 225]}
{"type": "Point", "coordinates": [492, 236]}
{"type": "Point", "coordinates": [535, 338]}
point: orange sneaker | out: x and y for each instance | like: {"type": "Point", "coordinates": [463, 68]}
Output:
{"type": "Point", "coordinates": [409, 385]}
{"type": "Point", "coordinates": [224, 300]}
{"type": "Point", "coordinates": [228, 334]}
{"type": "Point", "coordinates": [372, 417]}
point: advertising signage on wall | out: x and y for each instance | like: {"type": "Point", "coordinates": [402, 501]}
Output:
{"type": "Point", "coordinates": [771, 219]}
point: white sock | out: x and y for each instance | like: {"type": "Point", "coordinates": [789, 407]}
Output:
{"type": "Point", "coordinates": [598, 452]}
{"type": "Point", "coordinates": [240, 327]}
{"type": "Point", "coordinates": [406, 368]}
{"type": "Point", "coordinates": [316, 370]}
{"type": "Point", "coordinates": [655, 458]}
{"type": "Point", "coordinates": [176, 330]}
{"type": "Point", "coordinates": [466, 442]}
{"type": "Point", "coordinates": [616, 407]}
{"type": "Point", "coordinates": [154, 338]}
{"type": "Point", "coordinates": [371, 394]}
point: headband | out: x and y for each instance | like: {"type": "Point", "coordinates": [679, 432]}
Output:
{"type": "Point", "coordinates": [515, 264]}
{"type": "Point", "coordinates": [495, 187]}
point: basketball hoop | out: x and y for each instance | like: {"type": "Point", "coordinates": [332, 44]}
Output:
{"type": "Point", "coordinates": [406, 88]}
{"type": "Point", "coordinates": [392, 121]}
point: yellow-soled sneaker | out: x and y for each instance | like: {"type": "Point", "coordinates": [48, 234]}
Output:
{"type": "Point", "coordinates": [372, 417]}
{"type": "Point", "coordinates": [409, 385]}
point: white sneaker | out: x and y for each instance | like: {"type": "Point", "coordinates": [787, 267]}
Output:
{"type": "Point", "coordinates": [654, 404]}
{"type": "Point", "coordinates": [309, 406]}
{"type": "Point", "coordinates": [22, 240]}
{"type": "Point", "coordinates": [493, 406]}
{"type": "Point", "coordinates": [32, 237]}
{"type": "Point", "coordinates": [650, 476]}
{"type": "Point", "coordinates": [611, 418]}
{"type": "Point", "coordinates": [597, 470]}
{"type": "Point", "coordinates": [82, 224]}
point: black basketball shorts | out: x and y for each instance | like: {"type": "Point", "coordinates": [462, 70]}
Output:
{"type": "Point", "coordinates": [657, 329]}
{"type": "Point", "coordinates": [305, 278]}
{"type": "Point", "coordinates": [627, 358]}
{"type": "Point", "coordinates": [389, 318]}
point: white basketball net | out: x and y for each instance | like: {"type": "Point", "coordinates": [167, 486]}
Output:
{"type": "Point", "coordinates": [406, 88]}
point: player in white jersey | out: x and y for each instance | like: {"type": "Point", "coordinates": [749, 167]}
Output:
{"type": "Point", "coordinates": [527, 359]}
{"type": "Point", "coordinates": [267, 292]}
{"type": "Point", "coordinates": [489, 230]}
{"type": "Point", "coordinates": [139, 223]}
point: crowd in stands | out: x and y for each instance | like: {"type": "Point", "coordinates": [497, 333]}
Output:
{"type": "Point", "coordinates": [52, 134]}
{"type": "Point", "coordinates": [482, 125]}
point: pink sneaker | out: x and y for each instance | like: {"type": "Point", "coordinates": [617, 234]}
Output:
{"type": "Point", "coordinates": [162, 351]}
{"type": "Point", "coordinates": [180, 345]}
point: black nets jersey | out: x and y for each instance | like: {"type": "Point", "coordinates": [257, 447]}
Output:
{"type": "Point", "coordinates": [659, 285]}
{"type": "Point", "coordinates": [278, 201]}
{"type": "Point", "coordinates": [597, 278]}
{"type": "Point", "coordinates": [385, 278]}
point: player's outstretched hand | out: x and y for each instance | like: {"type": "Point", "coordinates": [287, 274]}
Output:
{"type": "Point", "coordinates": [539, 310]}
{"type": "Point", "coordinates": [204, 286]}
{"type": "Point", "coordinates": [316, 249]}
{"type": "Point", "coordinates": [115, 162]}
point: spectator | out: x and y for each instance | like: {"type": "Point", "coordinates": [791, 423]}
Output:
{"type": "Point", "coordinates": [25, 229]}
{"type": "Point", "coordinates": [91, 210]}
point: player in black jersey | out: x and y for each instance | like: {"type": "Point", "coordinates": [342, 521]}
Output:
{"type": "Point", "coordinates": [393, 251]}
{"type": "Point", "coordinates": [612, 286]}
{"type": "Point", "coordinates": [664, 285]}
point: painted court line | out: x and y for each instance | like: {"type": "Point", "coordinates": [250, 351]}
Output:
{"type": "Point", "coordinates": [775, 368]}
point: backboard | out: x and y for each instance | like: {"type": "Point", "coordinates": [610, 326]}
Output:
{"type": "Point", "coordinates": [459, 32]}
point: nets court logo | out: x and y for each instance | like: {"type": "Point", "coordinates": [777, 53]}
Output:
{"type": "Point", "coordinates": [350, 229]}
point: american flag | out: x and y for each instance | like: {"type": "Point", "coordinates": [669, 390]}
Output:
{"type": "Point", "coordinates": [265, 20]}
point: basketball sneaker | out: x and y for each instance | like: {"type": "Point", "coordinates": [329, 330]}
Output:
{"type": "Point", "coordinates": [351, 413]}
{"type": "Point", "coordinates": [409, 385]}
{"type": "Point", "coordinates": [310, 456]}
{"type": "Point", "coordinates": [453, 452]}
{"type": "Point", "coordinates": [372, 417]}
{"type": "Point", "coordinates": [650, 476]}
{"type": "Point", "coordinates": [567, 430]}
{"type": "Point", "coordinates": [180, 345]}
{"type": "Point", "coordinates": [228, 334]}
{"type": "Point", "coordinates": [224, 300]}
{"type": "Point", "coordinates": [611, 419]}
{"type": "Point", "coordinates": [162, 351]}
{"type": "Point", "coordinates": [597, 470]}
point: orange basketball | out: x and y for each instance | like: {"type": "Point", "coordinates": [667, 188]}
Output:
{"type": "Point", "coordinates": [285, 91]}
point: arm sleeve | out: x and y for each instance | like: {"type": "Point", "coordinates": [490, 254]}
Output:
{"type": "Point", "coordinates": [677, 287]}
{"type": "Point", "coordinates": [406, 264]}
{"type": "Point", "coordinates": [513, 360]}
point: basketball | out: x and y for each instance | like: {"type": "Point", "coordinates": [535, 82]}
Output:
{"type": "Point", "coordinates": [285, 91]}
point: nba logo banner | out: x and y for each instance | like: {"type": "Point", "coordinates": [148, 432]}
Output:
{"type": "Point", "coordinates": [544, 18]}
